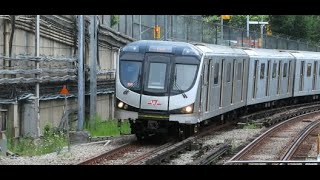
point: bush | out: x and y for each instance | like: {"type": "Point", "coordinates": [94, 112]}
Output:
{"type": "Point", "coordinates": [51, 141]}
{"type": "Point", "coordinates": [106, 128]}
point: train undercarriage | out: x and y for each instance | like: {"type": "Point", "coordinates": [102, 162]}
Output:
{"type": "Point", "coordinates": [164, 129]}
{"type": "Point", "coordinates": [161, 129]}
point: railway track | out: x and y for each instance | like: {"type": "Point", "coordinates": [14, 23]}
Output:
{"type": "Point", "coordinates": [161, 153]}
{"type": "Point", "coordinates": [299, 140]}
{"type": "Point", "coordinates": [112, 154]}
{"type": "Point", "coordinates": [153, 154]}
{"type": "Point", "coordinates": [284, 139]}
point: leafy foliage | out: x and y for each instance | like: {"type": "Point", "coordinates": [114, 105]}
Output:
{"type": "Point", "coordinates": [107, 128]}
{"type": "Point", "coordinates": [51, 141]}
{"type": "Point", "coordinates": [295, 26]}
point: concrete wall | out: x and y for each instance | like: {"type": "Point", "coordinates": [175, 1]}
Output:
{"type": "Point", "coordinates": [22, 115]}
{"type": "Point", "coordinates": [51, 111]}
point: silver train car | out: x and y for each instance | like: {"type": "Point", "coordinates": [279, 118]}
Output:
{"type": "Point", "coordinates": [174, 88]}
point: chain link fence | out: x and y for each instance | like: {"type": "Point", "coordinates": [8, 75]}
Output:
{"type": "Point", "coordinates": [192, 28]}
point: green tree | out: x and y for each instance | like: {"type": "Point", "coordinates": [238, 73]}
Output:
{"type": "Point", "coordinates": [296, 26]}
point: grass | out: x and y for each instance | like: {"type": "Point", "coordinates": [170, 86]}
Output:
{"type": "Point", "coordinates": [107, 128]}
{"type": "Point", "coordinates": [51, 141]}
{"type": "Point", "coordinates": [250, 126]}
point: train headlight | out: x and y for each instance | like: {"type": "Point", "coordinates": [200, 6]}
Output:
{"type": "Point", "coordinates": [120, 104]}
{"type": "Point", "coordinates": [189, 109]}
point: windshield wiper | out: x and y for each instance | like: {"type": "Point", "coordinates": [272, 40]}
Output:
{"type": "Point", "coordinates": [130, 87]}
{"type": "Point", "coordinates": [178, 87]}
{"type": "Point", "coordinates": [133, 84]}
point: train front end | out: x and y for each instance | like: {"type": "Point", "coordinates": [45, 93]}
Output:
{"type": "Point", "coordinates": [157, 87]}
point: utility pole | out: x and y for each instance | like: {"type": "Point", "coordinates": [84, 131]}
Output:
{"type": "Point", "coordinates": [248, 26]}
{"type": "Point", "coordinates": [93, 68]}
{"type": "Point", "coordinates": [37, 49]}
{"type": "Point", "coordinates": [81, 82]}
{"type": "Point", "coordinates": [221, 28]}
{"type": "Point", "coordinates": [165, 27]}
{"type": "Point", "coordinates": [140, 33]}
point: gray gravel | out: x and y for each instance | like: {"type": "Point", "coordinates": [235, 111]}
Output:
{"type": "Point", "coordinates": [78, 153]}
{"type": "Point", "coordinates": [237, 137]}
{"type": "Point", "coordinates": [131, 155]}
{"type": "Point", "coordinates": [273, 147]}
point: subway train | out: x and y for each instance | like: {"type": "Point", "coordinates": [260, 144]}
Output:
{"type": "Point", "coordinates": [169, 88]}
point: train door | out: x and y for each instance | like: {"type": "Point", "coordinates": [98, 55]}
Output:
{"type": "Point", "coordinates": [285, 78]}
{"type": "Point", "coordinates": [289, 77]}
{"type": "Point", "coordinates": [318, 84]}
{"type": "Point", "coordinates": [228, 83]}
{"type": "Point", "coordinates": [216, 84]}
{"type": "Point", "coordinates": [233, 81]}
{"type": "Point", "coordinates": [156, 82]}
{"type": "Point", "coordinates": [301, 76]}
{"type": "Point", "coordinates": [226, 86]}
{"type": "Point", "coordinates": [268, 78]}
{"type": "Point", "coordinates": [244, 71]}
{"type": "Point", "coordinates": [279, 78]}
{"type": "Point", "coordinates": [237, 89]}
{"type": "Point", "coordinates": [205, 86]}
{"type": "Point", "coordinates": [255, 79]}
{"type": "Point", "coordinates": [222, 82]}
{"type": "Point", "coordinates": [314, 82]}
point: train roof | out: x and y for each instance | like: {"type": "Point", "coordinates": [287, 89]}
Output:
{"type": "Point", "coordinates": [305, 54]}
{"type": "Point", "coordinates": [218, 49]}
{"type": "Point", "coordinates": [177, 48]}
{"type": "Point", "coordinates": [272, 53]}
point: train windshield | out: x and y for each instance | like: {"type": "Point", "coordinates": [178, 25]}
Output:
{"type": "Point", "coordinates": [184, 76]}
{"type": "Point", "coordinates": [130, 74]}
{"type": "Point", "coordinates": [157, 76]}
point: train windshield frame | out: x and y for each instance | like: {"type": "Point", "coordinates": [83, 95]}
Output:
{"type": "Point", "coordinates": [158, 74]}
{"type": "Point", "coordinates": [184, 75]}
{"type": "Point", "coordinates": [130, 74]}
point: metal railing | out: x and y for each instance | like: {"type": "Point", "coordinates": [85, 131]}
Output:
{"type": "Point", "coordinates": [194, 29]}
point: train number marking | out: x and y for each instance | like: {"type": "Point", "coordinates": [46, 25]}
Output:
{"type": "Point", "coordinates": [154, 103]}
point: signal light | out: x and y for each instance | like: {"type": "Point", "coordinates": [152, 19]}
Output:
{"type": "Point", "coordinates": [156, 32]}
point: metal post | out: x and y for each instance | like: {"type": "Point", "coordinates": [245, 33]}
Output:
{"type": "Point", "coordinates": [171, 24]}
{"type": "Point", "coordinates": [242, 38]}
{"type": "Point", "coordinates": [202, 32]}
{"type": "Point", "coordinates": [247, 26]}
{"type": "Point", "coordinates": [93, 68]}
{"type": "Point", "coordinates": [261, 31]}
{"type": "Point", "coordinates": [81, 82]}
{"type": "Point", "coordinates": [318, 148]}
{"type": "Point", "coordinates": [165, 27]}
{"type": "Point", "coordinates": [140, 34]}
{"type": "Point", "coordinates": [216, 34]}
{"type": "Point", "coordinates": [132, 24]}
{"type": "Point", "coordinates": [6, 38]}
{"type": "Point", "coordinates": [37, 45]}
{"type": "Point", "coordinates": [67, 119]}
{"type": "Point", "coordinates": [155, 25]}
{"type": "Point", "coordinates": [221, 29]}
{"type": "Point", "coordinates": [229, 35]}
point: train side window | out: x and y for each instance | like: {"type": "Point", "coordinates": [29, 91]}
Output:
{"type": "Point", "coordinates": [229, 72]}
{"type": "Point", "coordinates": [274, 70]}
{"type": "Point", "coordinates": [319, 70]}
{"type": "Point", "coordinates": [216, 73]}
{"type": "Point", "coordinates": [262, 70]}
{"type": "Point", "coordinates": [309, 70]}
{"type": "Point", "coordinates": [285, 68]}
{"type": "Point", "coordinates": [239, 71]}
